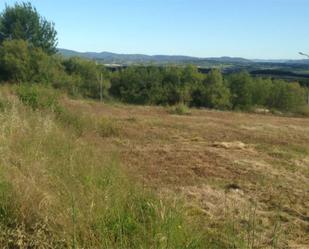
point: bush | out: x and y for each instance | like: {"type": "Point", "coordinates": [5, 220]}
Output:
{"type": "Point", "coordinates": [38, 96]}
{"type": "Point", "coordinates": [4, 104]}
{"type": "Point", "coordinates": [21, 62]}
{"type": "Point", "coordinates": [15, 61]}
{"type": "Point", "coordinates": [303, 110]}
{"type": "Point", "coordinates": [286, 96]}
{"type": "Point", "coordinates": [214, 93]}
{"type": "Point", "coordinates": [180, 109]}
{"type": "Point", "coordinates": [107, 128]}
{"type": "Point", "coordinates": [241, 85]}
{"type": "Point", "coordinates": [85, 76]}
{"type": "Point", "coordinates": [80, 124]}
{"type": "Point", "coordinates": [261, 91]}
{"type": "Point", "coordinates": [72, 121]}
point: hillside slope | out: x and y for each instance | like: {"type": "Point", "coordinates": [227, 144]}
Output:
{"type": "Point", "coordinates": [246, 169]}
{"type": "Point", "coordinates": [85, 174]}
{"type": "Point", "coordinates": [108, 57]}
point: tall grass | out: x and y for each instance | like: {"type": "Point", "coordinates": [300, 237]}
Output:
{"type": "Point", "coordinates": [179, 109]}
{"type": "Point", "coordinates": [59, 190]}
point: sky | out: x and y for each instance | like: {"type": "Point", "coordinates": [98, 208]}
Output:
{"type": "Point", "coordinates": [253, 29]}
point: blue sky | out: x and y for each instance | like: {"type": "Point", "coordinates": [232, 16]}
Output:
{"type": "Point", "coordinates": [276, 29]}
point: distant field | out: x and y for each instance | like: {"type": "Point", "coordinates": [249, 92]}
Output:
{"type": "Point", "coordinates": [250, 170]}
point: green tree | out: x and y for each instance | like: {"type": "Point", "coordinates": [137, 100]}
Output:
{"type": "Point", "coordinates": [20, 62]}
{"type": "Point", "coordinates": [15, 61]}
{"type": "Point", "coordinates": [86, 77]}
{"type": "Point", "coordinates": [132, 85]}
{"type": "Point", "coordinates": [179, 83]}
{"type": "Point", "coordinates": [286, 96]}
{"type": "Point", "coordinates": [261, 90]}
{"type": "Point", "coordinates": [173, 85]}
{"type": "Point", "coordinates": [217, 94]}
{"type": "Point", "coordinates": [23, 22]}
{"type": "Point", "coordinates": [240, 85]}
{"type": "Point", "coordinates": [212, 92]}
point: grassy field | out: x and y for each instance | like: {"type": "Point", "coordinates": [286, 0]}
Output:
{"type": "Point", "coordinates": [93, 175]}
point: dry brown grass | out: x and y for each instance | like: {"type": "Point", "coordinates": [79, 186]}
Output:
{"type": "Point", "coordinates": [250, 170]}
{"type": "Point", "coordinates": [244, 176]}
{"type": "Point", "coordinates": [62, 186]}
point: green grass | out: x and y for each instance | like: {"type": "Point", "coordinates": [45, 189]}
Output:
{"type": "Point", "coordinates": [179, 109]}
{"type": "Point", "coordinates": [303, 111]}
{"type": "Point", "coordinates": [58, 190]}
{"type": "Point", "coordinates": [37, 96]}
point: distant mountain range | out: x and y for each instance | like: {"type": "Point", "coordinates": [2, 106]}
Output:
{"type": "Point", "coordinates": [127, 59]}
{"type": "Point", "coordinates": [114, 58]}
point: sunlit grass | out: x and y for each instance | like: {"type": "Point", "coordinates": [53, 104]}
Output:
{"type": "Point", "coordinates": [60, 191]}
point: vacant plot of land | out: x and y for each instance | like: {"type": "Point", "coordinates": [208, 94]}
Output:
{"type": "Point", "coordinates": [250, 171]}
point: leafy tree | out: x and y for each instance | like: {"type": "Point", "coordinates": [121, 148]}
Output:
{"type": "Point", "coordinates": [212, 92]}
{"type": "Point", "coordinates": [153, 85]}
{"type": "Point", "coordinates": [20, 62]}
{"type": "Point", "coordinates": [23, 22]}
{"type": "Point", "coordinates": [217, 95]}
{"type": "Point", "coordinates": [286, 96]}
{"type": "Point", "coordinates": [190, 75]}
{"type": "Point", "coordinates": [86, 77]}
{"type": "Point", "coordinates": [15, 61]}
{"type": "Point", "coordinates": [136, 85]}
{"type": "Point", "coordinates": [240, 85]}
{"type": "Point", "coordinates": [172, 84]}
{"type": "Point", "coordinates": [261, 90]}
{"type": "Point", "coordinates": [179, 82]}
{"type": "Point", "coordinates": [156, 93]}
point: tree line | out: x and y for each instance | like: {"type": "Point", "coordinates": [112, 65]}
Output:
{"type": "Point", "coordinates": [28, 55]}
{"type": "Point", "coordinates": [172, 85]}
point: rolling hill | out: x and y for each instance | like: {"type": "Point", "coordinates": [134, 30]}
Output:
{"type": "Point", "coordinates": [108, 57]}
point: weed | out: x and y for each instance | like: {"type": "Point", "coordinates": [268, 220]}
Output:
{"type": "Point", "coordinates": [107, 128]}
{"type": "Point", "coordinates": [4, 105]}
{"type": "Point", "coordinates": [303, 110]}
{"type": "Point", "coordinates": [180, 109]}
{"type": "Point", "coordinates": [37, 96]}
{"type": "Point", "coordinates": [72, 121]}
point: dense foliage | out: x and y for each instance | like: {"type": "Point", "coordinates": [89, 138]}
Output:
{"type": "Point", "coordinates": [23, 22]}
{"type": "Point", "coordinates": [151, 85]}
{"type": "Point", "coordinates": [21, 62]}
{"type": "Point", "coordinates": [172, 85]}
{"type": "Point", "coordinates": [86, 78]}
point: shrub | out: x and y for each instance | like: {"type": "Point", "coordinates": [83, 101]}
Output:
{"type": "Point", "coordinates": [286, 96]}
{"type": "Point", "coordinates": [303, 110]}
{"type": "Point", "coordinates": [15, 60]}
{"type": "Point", "coordinates": [73, 121]}
{"type": "Point", "coordinates": [4, 104]}
{"type": "Point", "coordinates": [240, 85]}
{"type": "Point", "coordinates": [80, 124]}
{"type": "Point", "coordinates": [21, 62]}
{"type": "Point", "coordinates": [180, 109]}
{"type": "Point", "coordinates": [107, 128]}
{"type": "Point", "coordinates": [38, 96]}
{"type": "Point", "coordinates": [85, 76]}
{"type": "Point", "coordinates": [214, 92]}
{"type": "Point", "coordinates": [261, 91]}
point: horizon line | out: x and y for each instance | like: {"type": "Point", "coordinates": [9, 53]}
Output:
{"type": "Point", "coordinates": [192, 56]}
